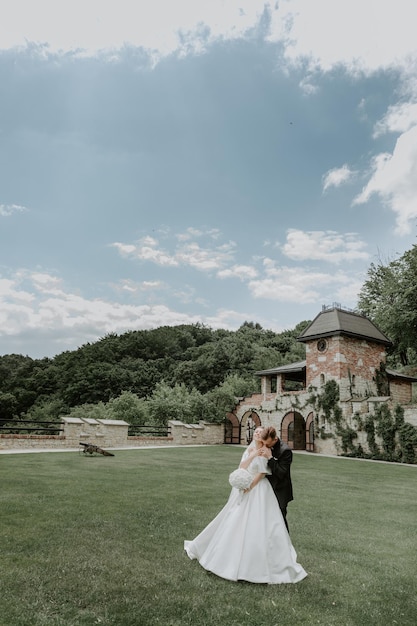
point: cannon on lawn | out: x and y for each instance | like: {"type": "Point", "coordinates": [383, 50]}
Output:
{"type": "Point", "coordinates": [90, 448]}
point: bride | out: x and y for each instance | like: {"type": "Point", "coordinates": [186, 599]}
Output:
{"type": "Point", "coordinates": [248, 539]}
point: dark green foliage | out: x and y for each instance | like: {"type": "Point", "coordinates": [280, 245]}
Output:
{"type": "Point", "coordinates": [398, 438]}
{"type": "Point", "coordinates": [381, 380]}
{"type": "Point", "coordinates": [369, 427]}
{"type": "Point", "coordinates": [347, 436]}
{"type": "Point", "coordinates": [386, 429]}
{"type": "Point", "coordinates": [328, 402]}
{"type": "Point", "coordinates": [389, 298]}
{"type": "Point", "coordinates": [204, 368]}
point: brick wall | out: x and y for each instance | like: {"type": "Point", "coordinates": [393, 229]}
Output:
{"type": "Point", "coordinates": [351, 362]}
{"type": "Point", "coordinates": [401, 391]}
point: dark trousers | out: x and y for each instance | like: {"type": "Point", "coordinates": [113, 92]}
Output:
{"type": "Point", "coordinates": [284, 515]}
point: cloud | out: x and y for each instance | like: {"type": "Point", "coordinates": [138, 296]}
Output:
{"type": "Point", "coordinates": [125, 249]}
{"type": "Point", "coordinates": [161, 26]}
{"type": "Point", "coordinates": [383, 37]}
{"type": "Point", "coordinates": [131, 287]}
{"type": "Point", "coordinates": [36, 316]}
{"type": "Point", "coordinates": [326, 246]}
{"type": "Point", "coordinates": [349, 293]}
{"type": "Point", "coordinates": [399, 119]}
{"type": "Point", "coordinates": [45, 283]}
{"type": "Point", "coordinates": [288, 284]}
{"type": "Point", "coordinates": [187, 253]}
{"type": "Point", "coordinates": [206, 260]}
{"type": "Point", "coordinates": [147, 250]}
{"type": "Point", "coordinates": [193, 233]}
{"type": "Point", "coordinates": [394, 180]}
{"type": "Point", "coordinates": [356, 35]}
{"type": "Point", "coordinates": [337, 176]}
{"type": "Point", "coordinates": [243, 272]}
{"type": "Point", "coordinates": [8, 209]}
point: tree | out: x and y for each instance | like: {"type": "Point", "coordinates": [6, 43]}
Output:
{"type": "Point", "coordinates": [389, 298]}
{"type": "Point", "coordinates": [191, 360]}
{"type": "Point", "coordinates": [8, 405]}
{"type": "Point", "coordinates": [172, 403]}
{"type": "Point", "coordinates": [128, 407]}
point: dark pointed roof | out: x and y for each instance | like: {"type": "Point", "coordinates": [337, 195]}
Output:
{"type": "Point", "coordinates": [336, 321]}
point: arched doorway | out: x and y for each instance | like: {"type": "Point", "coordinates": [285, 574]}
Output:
{"type": "Point", "coordinates": [232, 429]}
{"type": "Point", "coordinates": [293, 431]}
{"type": "Point", "coordinates": [248, 423]}
{"type": "Point", "coordinates": [310, 432]}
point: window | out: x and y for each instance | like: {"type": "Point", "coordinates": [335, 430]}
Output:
{"type": "Point", "coordinates": [321, 345]}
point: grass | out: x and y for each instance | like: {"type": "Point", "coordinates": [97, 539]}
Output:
{"type": "Point", "coordinates": [99, 540]}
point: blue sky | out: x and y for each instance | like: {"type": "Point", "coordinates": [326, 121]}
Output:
{"type": "Point", "coordinates": [166, 163]}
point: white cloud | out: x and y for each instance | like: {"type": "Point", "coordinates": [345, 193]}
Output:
{"type": "Point", "coordinates": [337, 176]}
{"type": "Point", "coordinates": [125, 249]}
{"type": "Point", "coordinates": [399, 119]}
{"type": "Point", "coordinates": [45, 283]}
{"type": "Point", "coordinates": [151, 285]}
{"type": "Point", "coordinates": [348, 294]}
{"type": "Point", "coordinates": [146, 250]}
{"type": "Point", "coordinates": [243, 272]}
{"type": "Point", "coordinates": [131, 287]}
{"type": "Point", "coordinates": [327, 246]}
{"type": "Point", "coordinates": [356, 34]}
{"type": "Point", "coordinates": [8, 209]}
{"type": "Point", "coordinates": [205, 260]}
{"type": "Point", "coordinates": [299, 285]}
{"type": "Point", "coordinates": [361, 36]}
{"type": "Point", "coordinates": [394, 180]}
{"type": "Point", "coordinates": [187, 253]}
{"type": "Point", "coordinates": [64, 320]}
{"type": "Point", "coordinates": [160, 25]}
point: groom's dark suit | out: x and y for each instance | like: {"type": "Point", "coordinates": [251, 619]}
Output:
{"type": "Point", "coordinates": [280, 479]}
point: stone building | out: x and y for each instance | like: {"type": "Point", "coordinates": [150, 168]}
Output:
{"type": "Point", "coordinates": [341, 346]}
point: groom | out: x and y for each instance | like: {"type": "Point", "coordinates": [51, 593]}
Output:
{"type": "Point", "coordinates": [279, 457]}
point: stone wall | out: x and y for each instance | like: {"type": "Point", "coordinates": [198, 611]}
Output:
{"type": "Point", "coordinates": [113, 434]}
{"type": "Point", "coordinates": [410, 414]}
{"type": "Point", "coordinates": [202, 433]}
{"type": "Point", "coordinates": [273, 409]}
{"type": "Point", "coordinates": [32, 442]}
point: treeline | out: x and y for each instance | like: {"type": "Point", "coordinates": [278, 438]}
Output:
{"type": "Point", "coordinates": [389, 298]}
{"type": "Point", "coordinates": [186, 372]}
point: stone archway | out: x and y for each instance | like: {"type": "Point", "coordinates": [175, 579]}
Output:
{"type": "Point", "coordinates": [293, 430]}
{"type": "Point", "coordinates": [250, 420]}
{"type": "Point", "coordinates": [232, 429]}
{"type": "Point", "coordinates": [310, 432]}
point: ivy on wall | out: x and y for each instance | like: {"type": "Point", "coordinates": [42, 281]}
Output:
{"type": "Point", "coordinates": [398, 438]}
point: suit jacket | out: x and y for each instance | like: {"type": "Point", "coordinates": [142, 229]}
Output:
{"type": "Point", "coordinates": [280, 479]}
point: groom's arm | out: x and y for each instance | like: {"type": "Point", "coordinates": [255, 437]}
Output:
{"type": "Point", "coordinates": [280, 467]}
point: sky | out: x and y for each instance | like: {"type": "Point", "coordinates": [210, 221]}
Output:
{"type": "Point", "coordinates": [221, 162]}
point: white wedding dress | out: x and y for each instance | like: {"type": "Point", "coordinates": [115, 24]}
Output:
{"type": "Point", "coordinates": [248, 539]}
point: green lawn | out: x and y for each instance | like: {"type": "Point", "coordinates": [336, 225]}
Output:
{"type": "Point", "coordinates": [99, 540]}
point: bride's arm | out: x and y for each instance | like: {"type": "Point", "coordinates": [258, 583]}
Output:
{"type": "Point", "coordinates": [255, 481]}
